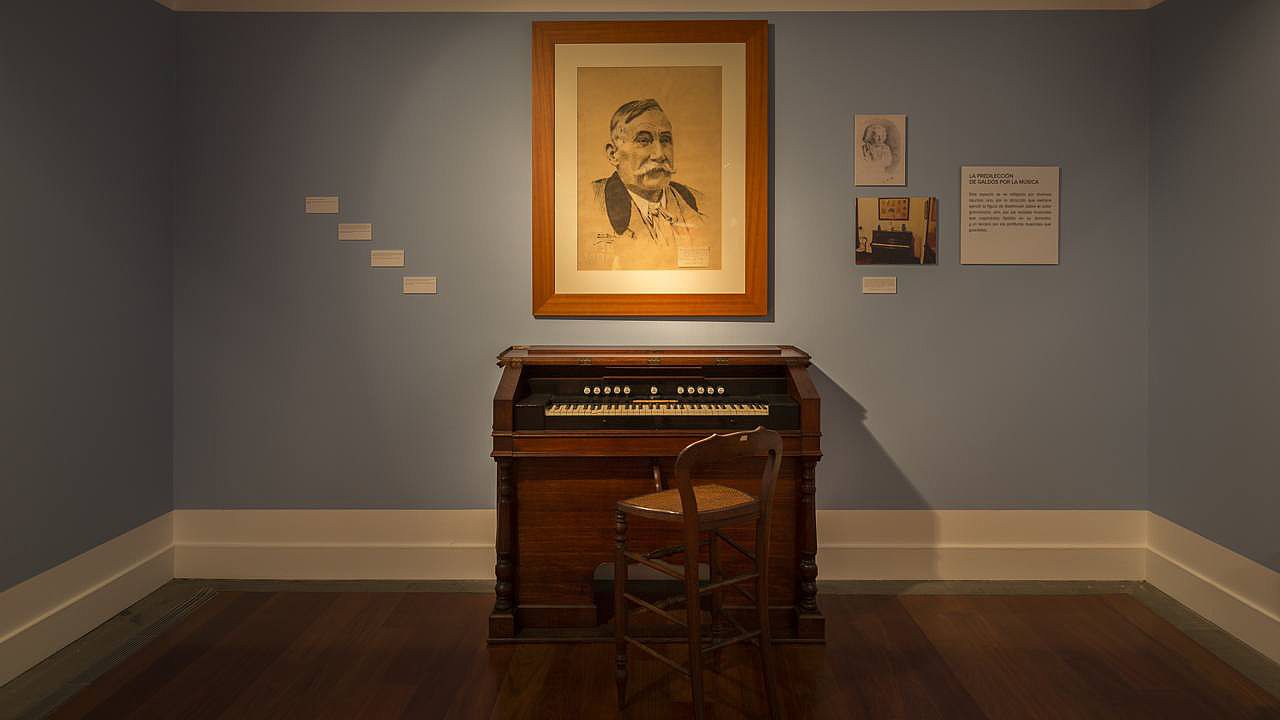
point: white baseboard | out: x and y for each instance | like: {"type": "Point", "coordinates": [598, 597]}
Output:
{"type": "Point", "coordinates": [981, 544]}
{"type": "Point", "coordinates": [42, 615]}
{"type": "Point", "coordinates": [334, 544]}
{"type": "Point", "coordinates": [1232, 591]}
{"type": "Point", "coordinates": [980, 563]}
{"type": "Point", "coordinates": [853, 544]}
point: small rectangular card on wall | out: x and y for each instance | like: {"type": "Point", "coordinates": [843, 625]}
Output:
{"type": "Point", "coordinates": [355, 231]}
{"type": "Point", "coordinates": [419, 286]}
{"type": "Point", "coordinates": [322, 205]}
{"type": "Point", "coordinates": [386, 258]}
{"type": "Point", "coordinates": [880, 286]}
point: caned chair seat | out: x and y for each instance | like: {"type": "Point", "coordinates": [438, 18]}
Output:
{"type": "Point", "coordinates": [711, 499]}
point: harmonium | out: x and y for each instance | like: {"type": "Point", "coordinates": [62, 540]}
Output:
{"type": "Point", "coordinates": [575, 429]}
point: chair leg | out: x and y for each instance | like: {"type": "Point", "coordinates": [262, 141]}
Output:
{"type": "Point", "coordinates": [620, 609]}
{"type": "Point", "coordinates": [693, 614]}
{"type": "Point", "coordinates": [767, 664]}
{"type": "Point", "coordinates": [717, 596]}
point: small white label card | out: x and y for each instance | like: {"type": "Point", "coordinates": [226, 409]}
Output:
{"type": "Point", "coordinates": [880, 286]}
{"type": "Point", "coordinates": [355, 231]}
{"type": "Point", "coordinates": [322, 205]}
{"type": "Point", "coordinates": [419, 286]}
{"type": "Point", "coordinates": [693, 257]}
{"type": "Point", "coordinates": [386, 258]}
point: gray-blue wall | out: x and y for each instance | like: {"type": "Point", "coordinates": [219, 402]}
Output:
{"type": "Point", "coordinates": [304, 379]}
{"type": "Point", "coordinates": [1215, 250]}
{"type": "Point", "coordinates": [87, 93]}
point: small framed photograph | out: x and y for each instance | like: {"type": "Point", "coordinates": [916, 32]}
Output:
{"type": "Point", "coordinates": [880, 150]}
{"type": "Point", "coordinates": [896, 231]}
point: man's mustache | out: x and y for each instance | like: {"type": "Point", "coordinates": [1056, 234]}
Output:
{"type": "Point", "coordinates": [661, 169]}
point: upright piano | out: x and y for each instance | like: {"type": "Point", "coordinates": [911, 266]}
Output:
{"type": "Point", "coordinates": [575, 429]}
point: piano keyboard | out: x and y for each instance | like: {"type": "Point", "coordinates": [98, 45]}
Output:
{"type": "Point", "coordinates": [656, 409]}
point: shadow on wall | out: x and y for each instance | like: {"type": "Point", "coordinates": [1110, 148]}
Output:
{"type": "Point", "coordinates": [857, 473]}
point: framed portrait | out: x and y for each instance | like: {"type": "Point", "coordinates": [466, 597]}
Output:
{"type": "Point", "coordinates": [650, 168]}
{"type": "Point", "coordinates": [879, 150]}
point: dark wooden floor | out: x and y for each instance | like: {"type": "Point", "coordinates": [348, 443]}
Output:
{"type": "Point", "coordinates": [423, 655]}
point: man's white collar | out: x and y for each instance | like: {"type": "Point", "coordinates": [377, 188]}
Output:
{"type": "Point", "coordinates": [646, 206]}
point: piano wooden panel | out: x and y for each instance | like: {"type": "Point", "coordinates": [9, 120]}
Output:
{"type": "Point", "coordinates": [562, 540]}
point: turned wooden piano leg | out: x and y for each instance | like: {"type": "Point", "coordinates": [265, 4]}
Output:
{"type": "Point", "coordinates": [809, 620]}
{"type": "Point", "coordinates": [502, 620]}
{"type": "Point", "coordinates": [620, 609]}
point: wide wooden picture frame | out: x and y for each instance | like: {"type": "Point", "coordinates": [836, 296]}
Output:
{"type": "Point", "coordinates": [686, 233]}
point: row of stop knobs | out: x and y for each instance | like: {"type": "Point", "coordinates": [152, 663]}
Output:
{"type": "Point", "coordinates": [653, 390]}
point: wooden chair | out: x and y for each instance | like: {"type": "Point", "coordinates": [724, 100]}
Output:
{"type": "Point", "coordinates": [699, 509]}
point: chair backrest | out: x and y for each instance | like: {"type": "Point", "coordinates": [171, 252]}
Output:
{"type": "Point", "coordinates": [711, 451]}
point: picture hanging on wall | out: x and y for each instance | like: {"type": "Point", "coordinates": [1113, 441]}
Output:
{"type": "Point", "coordinates": [894, 209]}
{"type": "Point", "coordinates": [896, 231]}
{"type": "Point", "coordinates": [880, 150]}
{"type": "Point", "coordinates": [650, 168]}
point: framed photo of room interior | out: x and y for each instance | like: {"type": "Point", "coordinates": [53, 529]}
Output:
{"type": "Point", "coordinates": [650, 168]}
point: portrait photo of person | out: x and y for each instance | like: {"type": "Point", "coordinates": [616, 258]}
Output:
{"type": "Point", "coordinates": [880, 150]}
{"type": "Point", "coordinates": [648, 180]}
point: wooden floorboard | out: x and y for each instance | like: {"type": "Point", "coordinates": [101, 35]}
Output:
{"type": "Point", "coordinates": [1118, 660]}
{"type": "Point", "coordinates": [1215, 682]}
{"type": "Point", "coordinates": [126, 685]}
{"type": "Point", "coordinates": [123, 690]}
{"type": "Point", "coordinates": [913, 657]}
{"type": "Point", "coordinates": [224, 671]}
{"type": "Point", "coordinates": [439, 650]}
{"type": "Point", "coordinates": [1004, 664]}
{"type": "Point", "coordinates": [887, 667]}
